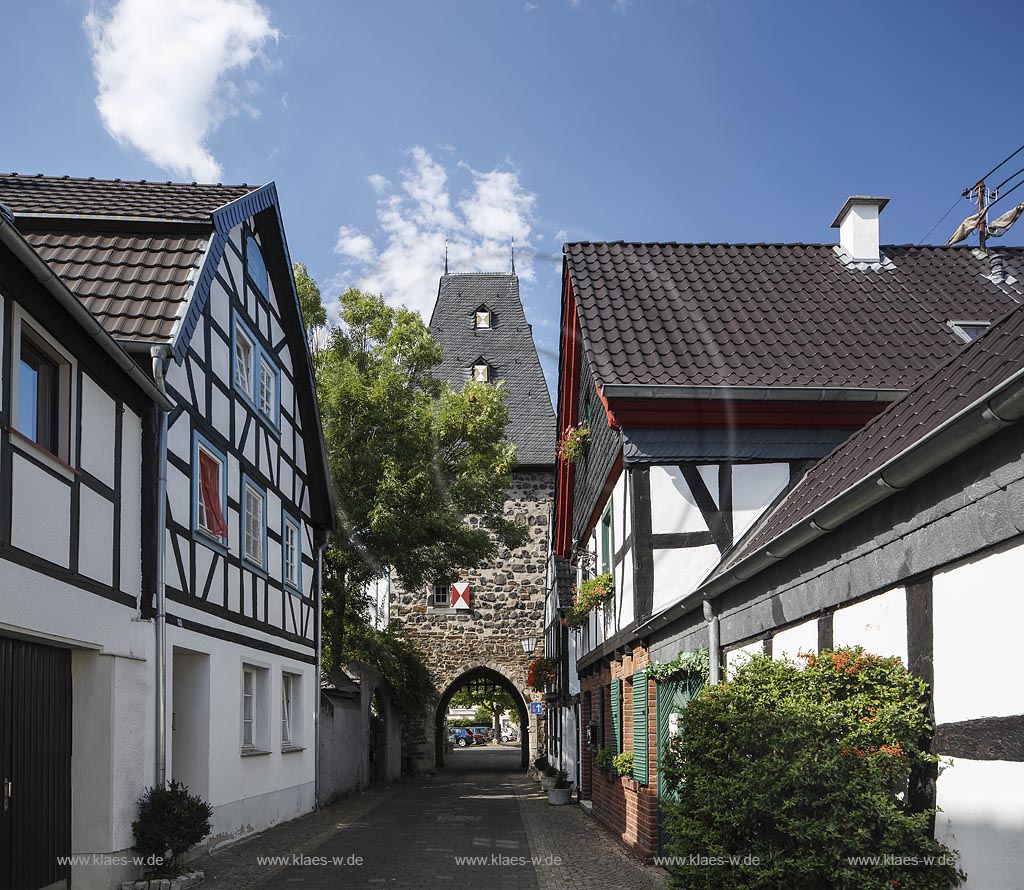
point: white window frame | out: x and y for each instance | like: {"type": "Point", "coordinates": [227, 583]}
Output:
{"type": "Point", "coordinates": [482, 319]}
{"type": "Point", "coordinates": [446, 602]}
{"type": "Point", "coordinates": [482, 372]}
{"type": "Point", "coordinates": [253, 712]}
{"type": "Point", "coordinates": [290, 527]}
{"type": "Point", "coordinates": [63, 458]}
{"type": "Point", "coordinates": [250, 698]}
{"type": "Point", "coordinates": [291, 707]}
{"type": "Point", "coordinates": [267, 395]}
{"type": "Point", "coordinates": [244, 361]}
{"type": "Point", "coordinates": [251, 493]}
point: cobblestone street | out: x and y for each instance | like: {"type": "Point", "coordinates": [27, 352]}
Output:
{"type": "Point", "coordinates": [480, 822]}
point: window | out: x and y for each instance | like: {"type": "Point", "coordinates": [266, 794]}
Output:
{"type": "Point", "coordinates": [291, 545]}
{"type": "Point", "coordinates": [268, 389]}
{"type": "Point", "coordinates": [968, 330]}
{"type": "Point", "coordinates": [243, 363]}
{"type": "Point", "coordinates": [482, 318]}
{"type": "Point", "coordinates": [42, 391]}
{"type": "Point", "coordinates": [254, 524]}
{"type": "Point", "coordinates": [287, 689]}
{"type": "Point", "coordinates": [255, 698]}
{"type": "Point", "coordinates": [210, 492]}
{"type": "Point", "coordinates": [256, 266]}
{"type": "Point", "coordinates": [38, 397]}
{"type": "Point", "coordinates": [606, 556]}
{"type": "Point", "coordinates": [441, 596]}
{"type": "Point", "coordinates": [481, 372]}
{"type": "Point", "coordinates": [249, 688]}
{"type": "Point", "coordinates": [256, 374]}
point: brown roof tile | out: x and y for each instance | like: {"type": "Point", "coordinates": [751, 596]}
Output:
{"type": "Point", "coordinates": [135, 285]}
{"type": "Point", "coordinates": [981, 367]}
{"type": "Point", "coordinates": [67, 196]}
{"type": "Point", "coordinates": [783, 315]}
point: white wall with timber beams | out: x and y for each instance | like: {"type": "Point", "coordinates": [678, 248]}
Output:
{"type": "Point", "coordinates": [226, 609]}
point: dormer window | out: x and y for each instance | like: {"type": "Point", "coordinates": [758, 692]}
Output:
{"type": "Point", "coordinates": [482, 318]}
{"type": "Point", "coordinates": [482, 372]}
{"type": "Point", "coordinates": [968, 330]}
{"type": "Point", "coordinates": [256, 267]}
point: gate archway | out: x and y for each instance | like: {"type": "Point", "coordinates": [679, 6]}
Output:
{"type": "Point", "coordinates": [482, 678]}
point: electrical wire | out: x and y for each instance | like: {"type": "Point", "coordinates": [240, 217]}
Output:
{"type": "Point", "coordinates": [1000, 164]}
{"type": "Point", "coordinates": [944, 215]}
{"type": "Point", "coordinates": [1008, 178]}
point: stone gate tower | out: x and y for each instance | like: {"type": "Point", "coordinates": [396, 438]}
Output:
{"type": "Point", "coordinates": [473, 632]}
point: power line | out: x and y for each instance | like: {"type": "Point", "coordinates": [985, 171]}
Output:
{"type": "Point", "coordinates": [1000, 164]}
{"type": "Point", "coordinates": [944, 215]}
{"type": "Point", "coordinates": [1008, 178]}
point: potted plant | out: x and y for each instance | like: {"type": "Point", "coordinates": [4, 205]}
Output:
{"type": "Point", "coordinates": [603, 759]}
{"type": "Point", "coordinates": [589, 595]}
{"type": "Point", "coordinates": [540, 764]}
{"type": "Point", "coordinates": [561, 792]}
{"type": "Point", "coordinates": [623, 764]}
{"type": "Point", "coordinates": [541, 673]}
{"type": "Point", "coordinates": [547, 781]}
{"type": "Point", "coordinates": [573, 444]}
{"type": "Point", "coordinates": [170, 821]}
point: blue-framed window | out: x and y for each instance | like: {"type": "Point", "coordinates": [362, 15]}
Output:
{"type": "Point", "coordinates": [209, 491]}
{"type": "Point", "coordinates": [255, 265]}
{"type": "Point", "coordinates": [255, 374]}
{"type": "Point", "coordinates": [253, 525]}
{"type": "Point", "coordinates": [291, 553]}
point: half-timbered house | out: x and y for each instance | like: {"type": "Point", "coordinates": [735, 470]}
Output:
{"type": "Point", "coordinates": [194, 282]}
{"type": "Point", "coordinates": [711, 377]}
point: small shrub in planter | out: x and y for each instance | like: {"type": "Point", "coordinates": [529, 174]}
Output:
{"type": "Point", "coordinates": [547, 781]}
{"type": "Point", "coordinates": [604, 759]}
{"type": "Point", "coordinates": [623, 764]}
{"type": "Point", "coordinates": [170, 821]}
{"type": "Point", "coordinates": [561, 792]}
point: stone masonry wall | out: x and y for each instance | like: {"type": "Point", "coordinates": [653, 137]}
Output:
{"type": "Point", "coordinates": [507, 603]}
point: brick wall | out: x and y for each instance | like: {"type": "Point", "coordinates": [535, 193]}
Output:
{"type": "Point", "coordinates": [627, 809]}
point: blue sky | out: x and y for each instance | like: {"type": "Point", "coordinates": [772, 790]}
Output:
{"type": "Point", "coordinates": [391, 125]}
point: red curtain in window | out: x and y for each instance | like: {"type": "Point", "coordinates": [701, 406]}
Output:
{"type": "Point", "coordinates": [209, 479]}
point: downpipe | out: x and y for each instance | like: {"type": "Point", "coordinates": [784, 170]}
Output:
{"type": "Point", "coordinates": [714, 643]}
{"type": "Point", "coordinates": [160, 356]}
{"type": "Point", "coordinates": [319, 665]}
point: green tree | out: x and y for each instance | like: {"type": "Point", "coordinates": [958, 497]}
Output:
{"type": "Point", "coordinates": [489, 705]}
{"type": "Point", "coordinates": [786, 777]}
{"type": "Point", "coordinates": [420, 469]}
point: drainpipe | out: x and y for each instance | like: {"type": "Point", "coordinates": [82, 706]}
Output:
{"type": "Point", "coordinates": [714, 643]}
{"type": "Point", "coordinates": [319, 665]}
{"type": "Point", "coordinates": [160, 356]}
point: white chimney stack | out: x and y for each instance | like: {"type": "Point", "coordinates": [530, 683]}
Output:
{"type": "Point", "coordinates": [858, 227]}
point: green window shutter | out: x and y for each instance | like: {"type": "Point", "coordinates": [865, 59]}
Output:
{"type": "Point", "coordinates": [640, 726]}
{"type": "Point", "coordinates": [616, 716]}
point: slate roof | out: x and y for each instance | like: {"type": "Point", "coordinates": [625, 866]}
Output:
{"type": "Point", "coordinates": [71, 197]}
{"type": "Point", "coordinates": [971, 376]}
{"type": "Point", "coordinates": [777, 315]}
{"type": "Point", "coordinates": [507, 347]}
{"type": "Point", "coordinates": [131, 251]}
{"type": "Point", "coordinates": [135, 285]}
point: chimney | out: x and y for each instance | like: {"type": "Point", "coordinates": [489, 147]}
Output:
{"type": "Point", "coordinates": [858, 227]}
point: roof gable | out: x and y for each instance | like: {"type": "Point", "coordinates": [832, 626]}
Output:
{"type": "Point", "coordinates": [506, 346]}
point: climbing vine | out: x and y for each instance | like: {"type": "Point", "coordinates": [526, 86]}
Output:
{"type": "Point", "coordinates": [696, 665]}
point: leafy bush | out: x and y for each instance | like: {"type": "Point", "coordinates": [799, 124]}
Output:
{"type": "Point", "coordinates": [794, 772]}
{"type": "Point", "coordinates": [623, 764]}
{"type": "Point", "coordinates": [170, 821]}
{"type": "Point", "coordinates": [563, 780]}
{"type": "Point", "coordinates": [604, 758]}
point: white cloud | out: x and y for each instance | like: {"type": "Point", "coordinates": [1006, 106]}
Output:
{"type": "Point", "coordinates": [162, 73]}
{"type": "Point", "coordinates": [479, 215]}
{"type": "Point", "coordinates": [354, 244]}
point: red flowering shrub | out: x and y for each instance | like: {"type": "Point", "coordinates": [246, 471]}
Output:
{"type": "Point", "coordinates": [540, 673]}
{"type": "Point", "coordinates": [789, 775]}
